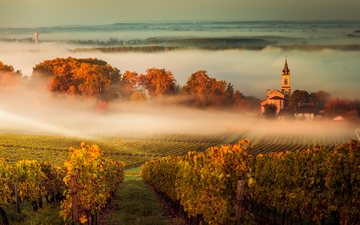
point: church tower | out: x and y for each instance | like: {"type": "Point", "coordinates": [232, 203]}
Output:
{"type": "Point", "coordinates": [285, 83]}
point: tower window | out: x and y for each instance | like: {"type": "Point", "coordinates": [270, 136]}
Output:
{"type": "Point", "coordinates": [286, 81]}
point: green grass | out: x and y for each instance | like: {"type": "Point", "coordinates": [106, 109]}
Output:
{"type": "Point", "coordinates": [48, 215]}
{"type": "Point", "coordinates": [132, 172]}
{"type": "Point", "coordinates": [136, 204]}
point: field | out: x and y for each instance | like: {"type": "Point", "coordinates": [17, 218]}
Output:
{"type": "Point", "coordinates": [132, 151]}
{"type": "Point", "coordinates": [279, 141]}
{"type": "Point", "coordinates": [135, 151]}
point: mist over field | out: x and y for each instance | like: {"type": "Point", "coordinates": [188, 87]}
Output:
{"type": "Point", "coordinates": [30, 108]}
{"type": "Point", "coordinates": [252, 72]}
{"type": "Point", "coordinates": [250, 54]}
{"type": "Point", "coordinates": [315, 51]}
{"type": "Point", "coordinates": [169, 112]}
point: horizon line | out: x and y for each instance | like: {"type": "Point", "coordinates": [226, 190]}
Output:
{"type": "Point", "coordinates": [183, 21]}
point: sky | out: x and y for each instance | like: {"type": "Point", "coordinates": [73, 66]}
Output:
{"type": "Point", "coordinates": [33, 13]}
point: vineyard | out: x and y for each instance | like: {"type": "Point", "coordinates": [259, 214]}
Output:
{"type": "Point", "coordinates": [132, 151]}
{"type": "Point", "coordinates": [37, 172]}
{"type": "Point", "coordinates": [278, 141]}
{"type": "Point", "coordinates": [83, 188]}
{"type": "Point", "coordinates": [312, 186]}
{"type": "Point", "coordinates": [136, 150]}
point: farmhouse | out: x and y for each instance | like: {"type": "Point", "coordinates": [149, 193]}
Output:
{"type": "Point", "coordinates": [307, 111]}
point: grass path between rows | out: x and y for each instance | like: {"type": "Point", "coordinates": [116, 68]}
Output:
{"type": "Point", "coordinates": [135, 204]}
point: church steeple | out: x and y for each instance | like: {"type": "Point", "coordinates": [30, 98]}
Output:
{"type": "Point", "coordinates": [285, 81]}
{"type": "Point", "coordinates": [286, 70]}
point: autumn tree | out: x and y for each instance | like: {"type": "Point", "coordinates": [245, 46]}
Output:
{"type": "Point", "coordinates": [8, 76]}
{"type": "Point", "coordinates": [242, 102]}
{"type": "Point", "coordinates": [319, 98]}
{"type": "Point", "coordinates": [138, 96]}
{"type": "Point", "coordinates": [270, 110]}
{"type": "Point", "coordinates": [6, 68]}
{"type": "Point", "coordinates": [206, 91]}
{"type": "Point", "coordinates": [297, 98]}
{"type": "Point", "coordinates": [158, 82]}
{"type": "Point", "coordinates": [129, 84]}
{"type": "Point", "coordinates": [343, 107]}
{"type": "Point", "coordinates": [86, 77]}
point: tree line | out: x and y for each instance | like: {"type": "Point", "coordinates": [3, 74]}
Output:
{"type": "Point", "coordinates": [323, 101]}
{"type": "Point", "coordinates": [91, 77]}
{"type": "Point", "coordinates": [8, 75]}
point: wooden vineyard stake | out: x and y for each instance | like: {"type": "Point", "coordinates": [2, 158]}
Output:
{"type": "Point", "coordinates": [17, 195]}
{"type": "Point", "coordinates": [239, 200]}
{"type": "Point", "coordinates": [75, 214]}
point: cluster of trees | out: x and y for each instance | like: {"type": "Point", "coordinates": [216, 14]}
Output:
{"type": "Point", "coordinates": [154, 83]}
{"type": "Point", "coordinates": [8, 76]}
{"type": "Point", "coordinates": [93, 77]}
{"type": "Point", "coordinates": [270, 111]}
{"type": "Point", "coordinates": [344, 107]}
{"type": "Point", "coordinates": [299, 97]}
{"type": "Point", "coordinates": [87, 77]}
{"type": "Point", "coordinates": [200, 90]}
{"type": "Point", "coordinates": [322, 100]}
{"type": "Point", "coordinates": [206, 91]}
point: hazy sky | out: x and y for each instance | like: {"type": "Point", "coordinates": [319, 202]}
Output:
{"type": "Point", "coordinates": [25, 13]}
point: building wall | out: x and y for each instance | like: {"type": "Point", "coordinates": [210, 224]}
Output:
{"type": "Point", "coordinates": [277, 102]}
{"type": "Point", "coordinates": [305, 116]}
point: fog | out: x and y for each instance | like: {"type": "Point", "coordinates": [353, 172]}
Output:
{"type": "Point", "coordinates": [252, 72]}
{"type": "Point", "coordinates": [30, 108]}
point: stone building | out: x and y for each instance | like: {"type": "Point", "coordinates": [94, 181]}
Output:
{"type": "Point", "coordinates": [279, 98]}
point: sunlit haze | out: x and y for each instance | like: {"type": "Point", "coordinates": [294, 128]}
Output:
{"type": "Point", "coordinates": [20, 13]}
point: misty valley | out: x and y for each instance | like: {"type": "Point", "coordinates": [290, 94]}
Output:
{"type": "Point", "coordinates": [180, 123]}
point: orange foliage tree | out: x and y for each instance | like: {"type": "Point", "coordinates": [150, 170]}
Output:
{"type": "Point", "coordinates": [155, 82]}
{"type": "Point", "coordinates": [205, 91]}
{"type": "Point", "coordinates": [343, 107]}
{"type": "Point", "coordinates": [8, 76]}
{"type": "Point", "coordinates": [158, 82]}
{"type": "Point", "coordinates": [129, 85]}
{"type": "Point", "coordinates": [6, 68]}
{"type": "Point", "coordinates": [87, 77]}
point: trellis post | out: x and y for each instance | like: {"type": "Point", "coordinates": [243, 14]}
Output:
{"type": "Point", "coordinates": [75, 213]}
{"type": "Point", "coordinates": [239, 201]}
